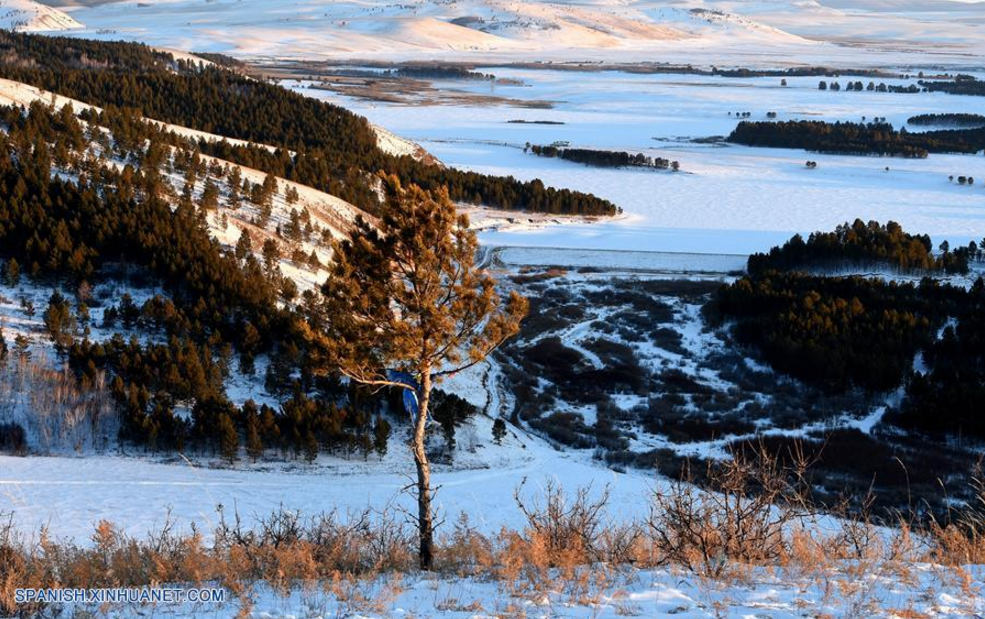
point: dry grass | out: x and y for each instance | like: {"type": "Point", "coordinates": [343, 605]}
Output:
{"type": "Point", "coordinates": [570, 549]}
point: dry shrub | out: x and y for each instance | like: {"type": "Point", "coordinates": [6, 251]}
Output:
{"type": "Point", "coordinates": [285, 547]}
{"type": "Point", "coordinates": [283, 550]}
{"type": "Point", "coordinates": [357, 596]}
{"type": "Point", "coordinates": [15, 570]}
{"type": "Point", "coordinates": [961, 540]}
{"type": "Point", "coordinates": [466, 551]}
{"type": "Point", "coordinates": [567, 530]}
{"type": "Point", "coordinates": [569, 546]}
{"type": "Point", "coordinates": [741, 518]}
{"type": "Point", "coordinates": [569, 550]}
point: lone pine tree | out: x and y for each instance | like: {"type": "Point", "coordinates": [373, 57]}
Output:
{"type": "Point", "coordinates": [405, 305]}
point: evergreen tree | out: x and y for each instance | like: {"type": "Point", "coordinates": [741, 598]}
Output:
{"type": "Point", "coordinates": [12, 272]}
{"type": "Point", "coordinates": [310, 447]}
{"type": "Point", "coordinates": [264, 199]}
{"type": "Point", "coordinates": [254, 444]}
{"type": "Point", "coordinates": [381, 435]}
{"type": "Point", "coordinates": [210, 196]}
{"type": "Point", "coordinates": [234, 179]}
{"type": "Point", "coordinates": [244, 246]}
{"type": "Point", "coordinates": [271, 254]}
{"type": "Point", "coordinates": [59, 321]}
{"type": "Point", "coordinates": [291, 195]}
{"type": "Point", "coordinates": [228, 438]}
{"type": "Point", "coordinates": [499, 430]}
{"type": "Point", "coordinates": [22, 347]}
{"type": "Point", "coordinates": [405, 306]}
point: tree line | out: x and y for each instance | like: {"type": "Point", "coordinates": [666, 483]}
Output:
{"type": "Point", "coordinates": [857, 86]}
{"type": "Point", "coordinates": [862, 244]}
{"type": "Point", "coordinates": [949, 119]}
{"type": "Point", "coordinates": [603, 158]}
{"type": "Point", "coordinates": [960, 85]}
{"type": "Point", "coordinates": [850, 138]}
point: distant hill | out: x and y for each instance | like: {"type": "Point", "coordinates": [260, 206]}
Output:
{"type": "Point", "coordinates": [711, 32]}
{"type": "Point", "coordinates": [31, 16]}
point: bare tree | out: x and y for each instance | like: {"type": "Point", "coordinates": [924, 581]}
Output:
{"type": "Point", "coordinates": [404, 306]}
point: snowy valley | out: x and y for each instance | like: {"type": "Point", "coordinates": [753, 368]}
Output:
{"type": "Point", "coordinates": [697, 330]}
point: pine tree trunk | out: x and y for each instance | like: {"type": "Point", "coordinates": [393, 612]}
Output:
{"type": "Point", "coordinates": [425, 524]}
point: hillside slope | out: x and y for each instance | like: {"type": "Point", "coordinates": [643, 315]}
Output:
{"type": "Point", "coordinates": [314, 28]}
{"type": "Point", "coordinates": [712, 32]}
{"type": "Point", "coordinates": [331, 216]}
{"type": "Point", "coordinates": [31, 16]}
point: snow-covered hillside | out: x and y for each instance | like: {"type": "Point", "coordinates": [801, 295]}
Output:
{"type": "Point", "coordinates": [328, 214]}
{"type": "Point", "coordinates": [31, 16]}
{"type": "Point", "coordinates": [712, 32]}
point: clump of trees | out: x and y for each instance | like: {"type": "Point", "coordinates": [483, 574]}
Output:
{"type": "Point", "coordinates": [832, 332]}
{"type": "Point", "coordinates": [960, 85]}
{"type": "Point", "coordinates": [439, 72]}
{"type": "Point", "coordinates": [603, 158]}
{"type": "Point", "coordinates": [947, 400]}
{"type": "Point", "coordinates": [860, 244]}
{"type": "Point", "coordinates": [857, 86]}
{"type": "Point", "coordinates": [874, 138]}
{"type": "Point", "coordinates": [841, 333]}
{"type": "Point", "coordinates": [949, 119]}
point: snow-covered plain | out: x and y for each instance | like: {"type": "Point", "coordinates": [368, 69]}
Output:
{"type": "Point", "coordinates": [726, 199]}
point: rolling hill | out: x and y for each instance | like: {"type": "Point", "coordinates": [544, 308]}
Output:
{"type": "Point", "coordinates": [718, 31]}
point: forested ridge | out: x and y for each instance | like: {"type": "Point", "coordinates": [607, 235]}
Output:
{"type": "Point", "coordinates": [844, 333]}
{"type": "Point", "coordinates": [332, 149]}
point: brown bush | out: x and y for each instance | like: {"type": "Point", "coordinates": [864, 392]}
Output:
{"type": "Point", "coordinates": [742, 517]}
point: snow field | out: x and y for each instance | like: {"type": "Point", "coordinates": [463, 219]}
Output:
{"type": "Point", "coordinates": [727, 199]}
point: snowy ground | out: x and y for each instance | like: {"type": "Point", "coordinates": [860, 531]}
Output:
{"type": "Point", "coordinates": [30, 16]}
{"type": "Point", "coordinates": [918, 591]}
{"type": "Point", "coordinates": [70, 495]}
